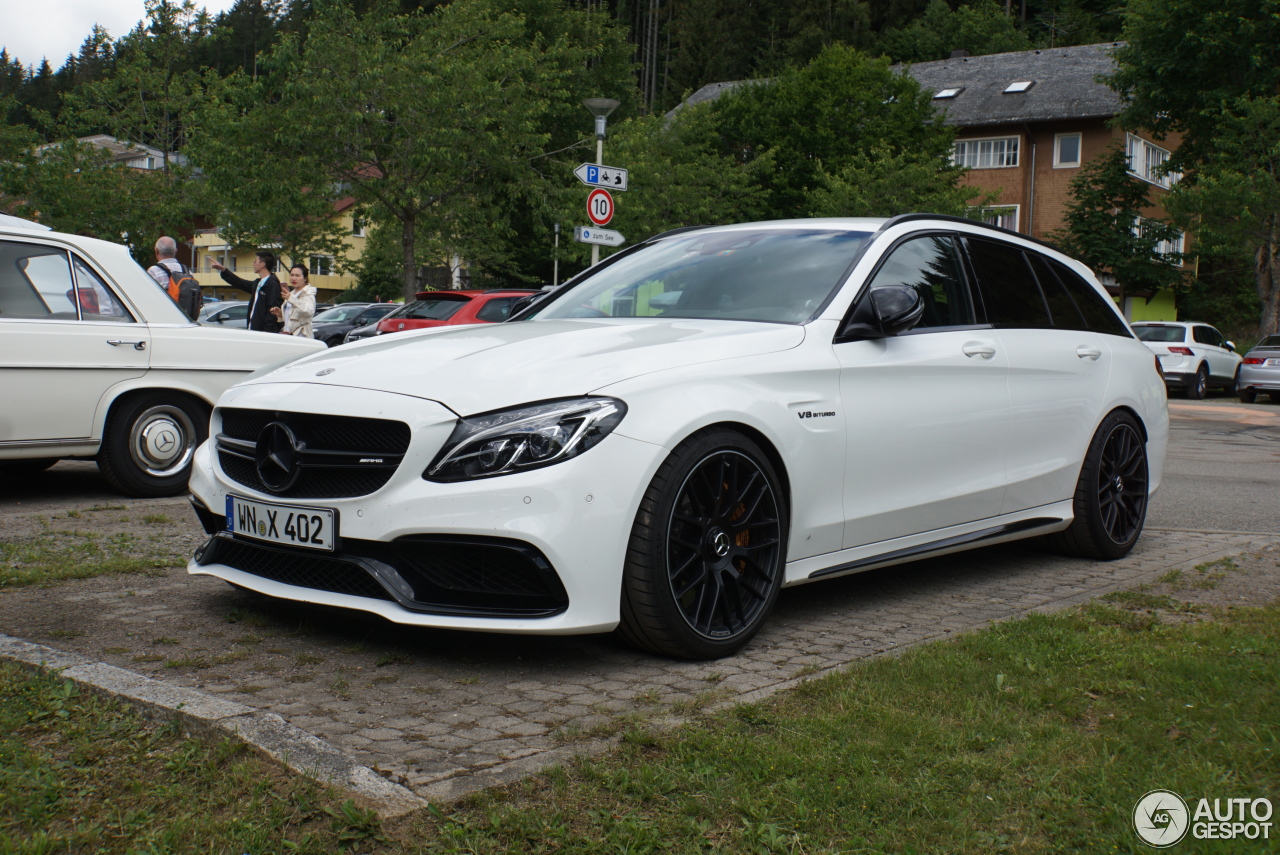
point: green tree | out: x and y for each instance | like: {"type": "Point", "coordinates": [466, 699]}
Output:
{"type": "Point", "coordinates": [419, 116]}
{"type": "Point", "coordinates": [1104, 230]}
{"type": "Point", "coordinates": [815, 120]}
{"type": "Point", "coordinates": [1234, 203]}
{"type": "Point", "coordinates": [1209, 72]}
{"type": "Point", "coordinates": [882, 183]}
{"type": "Point", "coordinates": [980, 28]}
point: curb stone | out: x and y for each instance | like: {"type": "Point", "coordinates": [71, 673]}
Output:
{"type": "Point", "coordinates": [207, 716]}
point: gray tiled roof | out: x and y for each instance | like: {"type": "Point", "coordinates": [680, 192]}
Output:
{"type": "Point", "coordinates": [1065, 85]}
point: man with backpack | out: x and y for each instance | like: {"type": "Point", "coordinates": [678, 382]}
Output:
{"type": "Point", "coordinates": [175, 279]}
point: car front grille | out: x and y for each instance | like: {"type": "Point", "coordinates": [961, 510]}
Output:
{"type": "Point", "coordinates": [437, 574]}
{"type": "Point", "coordinates": [337, 456]}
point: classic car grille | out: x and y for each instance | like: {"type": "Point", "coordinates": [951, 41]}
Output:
{"type": "Point", "coordinates": [300, 569]}
{"type": "Point", "coordinates": [333, 452]}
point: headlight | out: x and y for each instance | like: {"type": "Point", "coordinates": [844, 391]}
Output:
{"type": "Point", "coordinates": [529, 437]}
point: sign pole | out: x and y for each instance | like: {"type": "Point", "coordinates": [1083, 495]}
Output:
{"type": "Point", "coordinates": [595, 249]}
{"type": "Point", "coordinates": [555, 266]}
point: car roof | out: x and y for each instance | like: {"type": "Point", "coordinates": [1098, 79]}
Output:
{"type": "Point", "coordinates": [473, 293]}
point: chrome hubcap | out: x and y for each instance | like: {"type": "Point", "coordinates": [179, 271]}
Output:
{"type": "Point", "coordinates": [162, 441]}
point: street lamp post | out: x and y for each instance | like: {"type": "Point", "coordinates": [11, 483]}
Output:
{"type": "Point", "coordinates": [600, 108]}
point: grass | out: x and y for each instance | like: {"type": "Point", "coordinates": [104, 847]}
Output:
{"type": "Point", "coordinates": [52, 556]}
{"type": "Point", "coordinates": [1031, 736]}
{"type": "Point", "coordinates": [81, 773]}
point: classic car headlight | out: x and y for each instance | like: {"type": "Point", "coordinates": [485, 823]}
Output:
{"type": "Point", "coordinates": [528, 437]}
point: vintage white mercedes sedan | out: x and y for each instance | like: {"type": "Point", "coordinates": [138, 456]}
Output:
{"type": "Point", "coordinates": [667, 440]}
{"type": "Point", "coordinates": [97, 362]}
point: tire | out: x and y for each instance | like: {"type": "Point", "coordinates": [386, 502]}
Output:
{"type": "Point", "coordinates": [1247, 396]}
{"type": "Point", "coordinates": [149, 441]}
{"type": "Point", "coordinates": [1275, 397]}
{"type": "Point", "coordinates": [27, 467]}
{"type": "Point", "coordinates": [707, 551]}
{"type": "Point", "coordinates": [1110, 502]}
{"type": "Point", "coordinates": [1199, 387]}
{"type": "Point", "coordinates": [1234, 388]}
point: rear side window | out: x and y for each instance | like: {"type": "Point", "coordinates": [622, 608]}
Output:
{"type": "Point", "coordinates": [931, 266]}
{"type": "Point", "coordinates": [97, 303]}
{"type": "Point", "coordinates": [1009, 290]}
{"type": "Point", "coordinates": [1066, 315]}
{"type": "Point", "coordinates": [1208, 335]}
{"type": "Point", "coordinates": [1099, 312]}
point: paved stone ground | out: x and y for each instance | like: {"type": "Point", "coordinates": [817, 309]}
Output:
{"type": "Point", "coordinates": [446, 712]}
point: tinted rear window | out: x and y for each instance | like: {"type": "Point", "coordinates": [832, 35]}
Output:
{"type": "Point", "coordinates": [1009, 291]}
{"type": "Point", "coordinates": [1161, 333]}
{"type": "Point", "coordinates": [1099, 312]}
{"type": "Point", "coordinates": [1063, 308]}
{"type": "Point", "coordinates": [431, 309]}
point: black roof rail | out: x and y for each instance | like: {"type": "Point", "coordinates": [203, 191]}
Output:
{"type": "Point", "coordinates": [906, 218]}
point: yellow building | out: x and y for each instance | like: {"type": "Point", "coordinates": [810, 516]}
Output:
{"type": "Point", "coordinates": [208, 245]}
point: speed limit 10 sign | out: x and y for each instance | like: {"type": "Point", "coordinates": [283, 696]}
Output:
{"type": "Point", "coordinates": [599, 207]}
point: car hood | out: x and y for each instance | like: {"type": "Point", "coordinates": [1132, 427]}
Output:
{"type": "Point", "coordinates": [476, 368]}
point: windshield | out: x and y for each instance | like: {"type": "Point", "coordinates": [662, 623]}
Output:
{"type": "Point", "coordinates": [1161, 333]}
{"type": "Point", "coordinates": [776, 275]}
{"type": "Point", "coordinates": [338, 313]}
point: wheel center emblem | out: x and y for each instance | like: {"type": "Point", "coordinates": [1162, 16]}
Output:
{"type": "Point", "coordinates": [720, 544]}
{"type": "Point", "coordinates": [165, 441]}
{"type": "Point", "coordinates": [1119, 484]}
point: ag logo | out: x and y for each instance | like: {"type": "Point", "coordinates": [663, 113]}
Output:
{"type": "Point", "coordinates": [1161, 818]}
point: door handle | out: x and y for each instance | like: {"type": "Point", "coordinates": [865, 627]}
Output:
{"type": "Point", "coordinates": [1085, 352]}
{"type": "Point", "coordinates": [986, 351]}
{"type": "Point", "coordinates": [137, 345]}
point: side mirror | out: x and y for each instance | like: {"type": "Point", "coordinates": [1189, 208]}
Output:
{"type": "Point", "coordinates": [1231, 345]}
{"type": "Point", "coordinates": [884, 312]}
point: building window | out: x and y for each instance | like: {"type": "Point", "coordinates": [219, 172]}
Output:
{"type": "Point", "coordinates": [1004, 216]}
{"type": "Point", "coordinates": [320, 265]}
{"type": "Point", "coordinates": [1164, 248]}
{"type": "Point", "coordinates": [1066, 150]}
{"type": "Point", "coordinates": [357, 227]}
{"type": "Point", "coordinates": [1145, 160]}
{"type": "Point", "coordinates": [943, 94]}
{"type": "Point", "coordinates": [1019, 86]}
{"type": "Point", "coordinates": [987, 154]}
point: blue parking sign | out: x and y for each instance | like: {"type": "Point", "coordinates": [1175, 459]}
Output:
{"type": "Point", "coordinates": [593, 175]}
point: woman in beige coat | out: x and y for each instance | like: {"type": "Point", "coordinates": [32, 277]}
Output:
{"type": "Point", "coordinates": [299, 303]}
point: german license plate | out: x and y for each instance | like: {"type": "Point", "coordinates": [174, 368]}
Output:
{"type": "Point", "coordinates": [313, 528]}
{"type": "Point", "coordinates": [1273, 361]}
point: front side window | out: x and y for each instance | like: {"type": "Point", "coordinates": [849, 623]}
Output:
{"type": "Point", "coordinates": [931, 266]}
{"type": "Point", "coordinates": [779, 275]}
{"type": "Point", "coordinates": [986, 154]}
{"type": "Point", "coordinates": [1209, 336]}
{"type": "Point", "coordinates": [1009, 290]}
{"type": "Point", "coordinates": [497, 310]}
{"type": "Point", "coordinates": [36, 283]}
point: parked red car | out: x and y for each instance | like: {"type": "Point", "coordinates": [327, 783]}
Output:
{"type": "Point", "coordinates": [449, 308]}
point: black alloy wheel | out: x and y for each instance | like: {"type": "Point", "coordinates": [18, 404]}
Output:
{"type": "Point", "coordinates": [707, 551]}
{"type": "Point", "coordinates": [1110, 502]}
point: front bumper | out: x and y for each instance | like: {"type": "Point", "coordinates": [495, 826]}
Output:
{"type": "Point", "coordinates": [537, 552]}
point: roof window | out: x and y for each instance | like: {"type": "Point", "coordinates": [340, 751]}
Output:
{"type": "Point", "coordinates": [1019, 86]}
{"type": "Point", "coordinates": [948, 93]}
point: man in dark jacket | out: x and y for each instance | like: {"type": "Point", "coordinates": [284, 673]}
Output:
{"type": "Point", "coordinates": [265, 292]}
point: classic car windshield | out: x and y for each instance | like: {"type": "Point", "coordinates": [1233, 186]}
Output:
{"type": "Point", "coordinates": [1161, 333]}
{"type": "Point", "coordinates": [780, 275]}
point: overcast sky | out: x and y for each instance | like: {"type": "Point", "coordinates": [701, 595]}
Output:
{"type": "Point", "coordinates": [32, 30]}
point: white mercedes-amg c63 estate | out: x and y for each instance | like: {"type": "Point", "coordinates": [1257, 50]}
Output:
{"type": "Point", "coordinates": [664, 442]}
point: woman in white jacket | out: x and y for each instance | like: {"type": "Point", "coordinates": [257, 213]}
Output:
{"type": "Point", "coordinates": [299, 303]}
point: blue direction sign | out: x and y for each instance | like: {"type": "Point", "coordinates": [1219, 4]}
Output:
{"type": "Point", "coordinates": [598, 175]}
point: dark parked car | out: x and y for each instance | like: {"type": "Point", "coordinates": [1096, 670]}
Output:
{"type": "Point", "coordinates": [331, 326]}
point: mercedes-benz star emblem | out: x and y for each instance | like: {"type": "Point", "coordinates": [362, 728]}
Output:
{"type": "Point", "coordinates": [277, 457]}
{"type": "Point", "coordinates": [721, 544]}
{"type": "Point", "coordinates": [165, 441]}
